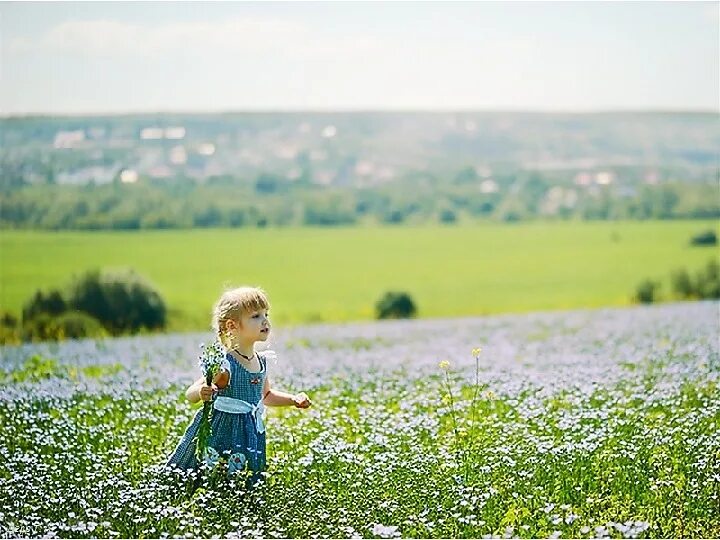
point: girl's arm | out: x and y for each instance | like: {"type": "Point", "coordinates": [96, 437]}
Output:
{"type": "Point", "coordinates": [275, 398]}
{"type": "Point", "coordinates": [199, 390]}
{"type": "Point", "coordinates": [193, 391]}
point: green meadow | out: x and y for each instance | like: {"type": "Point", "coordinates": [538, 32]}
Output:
{"type": "Point", "coordinates": [337, 274]}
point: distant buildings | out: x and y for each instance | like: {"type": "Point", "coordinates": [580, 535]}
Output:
{"type": "Point", "coordinates": [158, 133]}
{"type": "Point", "coordinates": [85, 175]}
{"type": "Point", "coordinates": [557, 198]}
{"type": "Point", "coordinates": [489, 186]}
{"type": "Point", "coordinates": [601, 178]}
{"type": "Point", "coordinates": [68, 139]}
{"type": "Point", "coordinates": [343, 149]}
{"type": "Point", "coordinates": [128, 176]}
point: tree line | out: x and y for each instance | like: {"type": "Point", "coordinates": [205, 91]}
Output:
{"type": "Point", "coordinates": [268, 200]}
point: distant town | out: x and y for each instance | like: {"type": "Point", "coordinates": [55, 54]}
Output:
{"type": "Point", "coordinates": [491, 165]}
{"type": "Point", "coordinates": [363, 149]}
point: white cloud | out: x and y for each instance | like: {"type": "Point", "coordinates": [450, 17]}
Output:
{"type": "Point", "coordinates": [274, 61]}
{"type": "Point", "coordinates": [103, 38]}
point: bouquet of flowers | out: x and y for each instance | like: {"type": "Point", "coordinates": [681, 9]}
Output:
{"type": "Point", "coordinates": [211, 361]}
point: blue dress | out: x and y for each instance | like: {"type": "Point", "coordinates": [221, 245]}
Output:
{"type": "Point", "coordinates": [234, 436]}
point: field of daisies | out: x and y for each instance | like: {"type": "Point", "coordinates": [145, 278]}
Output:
{"type": "Point", "coordinates": [588, 423]}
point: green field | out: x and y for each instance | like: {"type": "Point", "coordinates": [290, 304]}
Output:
{"type": "Point", "coordinates": [338, 274]}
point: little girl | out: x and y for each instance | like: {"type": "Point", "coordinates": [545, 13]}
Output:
{"type": "Point", "coordinates": [240, 318]}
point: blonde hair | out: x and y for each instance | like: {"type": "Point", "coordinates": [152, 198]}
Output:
{"type": "Point", "coordinates": [233, 304]}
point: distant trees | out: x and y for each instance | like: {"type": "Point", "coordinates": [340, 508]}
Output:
{"type": "Point", "coordinates": [646, 291]}
{"type": "Point", "coordinates": [122, 300]}
{"type": "Point", "coordinates": [270, 183]}
{"type": "Point", "coordinates": [703, 285]}
{"type": "Point", "coordinates": [447, 216]}
{"type": "Point", "coordinates": [272, 200]}
{"type": "Point", "coordinates": [95, 304]}
{"type": "Point", "coordinates": [209, 216]}
{"type": "Point", "coordinates": [329, 211]}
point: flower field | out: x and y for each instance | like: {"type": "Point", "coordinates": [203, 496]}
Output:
{"type": "Point", "coordinates": [588, 423]}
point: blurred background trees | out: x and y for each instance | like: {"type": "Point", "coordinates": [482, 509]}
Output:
{"type": "Point", "coordinates": [97, 303]}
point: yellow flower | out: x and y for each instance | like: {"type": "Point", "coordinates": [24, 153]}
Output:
{"type": "Point", "coordinates": [444, 364]}
{"type": "Point", "coordinates": [476, 351]}
{"type": "Point", "coordinates": [490, 394]}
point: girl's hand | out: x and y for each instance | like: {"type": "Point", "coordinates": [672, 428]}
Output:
{"type": "Point", "coordinates": [222, 379]}
{"type": "Point", "coordinates": [206, 392]}
{"type": "Point", "coordinates": [301, 400]}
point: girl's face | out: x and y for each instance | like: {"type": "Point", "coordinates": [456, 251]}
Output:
{"type": "Point", "coordinates": [252, 326]}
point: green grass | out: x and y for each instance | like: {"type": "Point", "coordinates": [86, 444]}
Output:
{"type": "Point", "coordinates": [338, 274]}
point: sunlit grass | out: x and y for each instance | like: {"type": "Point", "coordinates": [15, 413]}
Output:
{"type": "Point", "coordinates": [338, 274]}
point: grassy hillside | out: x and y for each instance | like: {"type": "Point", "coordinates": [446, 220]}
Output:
{"type": "Point", "coordinates": [338, 274]}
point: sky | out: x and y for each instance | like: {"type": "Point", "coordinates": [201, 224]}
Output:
{"type": "Point", "coordinates": [116, 57]}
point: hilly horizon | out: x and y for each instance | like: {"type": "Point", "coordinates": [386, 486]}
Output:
{"type": "Point", "coordinates": [364, 148]}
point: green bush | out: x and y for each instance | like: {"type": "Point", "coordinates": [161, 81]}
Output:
{"type": "Point", "coordinates": [708, 281]}
{"type": "Point", "coordinates": [706, 284]}
{"type": "Point", "coordinates": [646, 291]}
{"type": "Point", "coordinates": [95, 304]}
{"type": "Point", "coordinates": [8, 319]}
{"type": "Point", "coordinates": [395, 305]}
{"type": "Point", "coordinates": [52, 303]}
{"type": "Point", "coordinates": [682, 284]}
{"type": "Point", "coordinates": [121, 300]}
{"type": "Point", "coordinates": [40, 328]}
{"type": "Point", "coordinates": [706, 238]}
{"type": "Point", "coordinates": [9, 329]}
{"type": "Point", "coordinates": [69, 325]}
{"type": "Point", "coordinates": [75, 325]}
